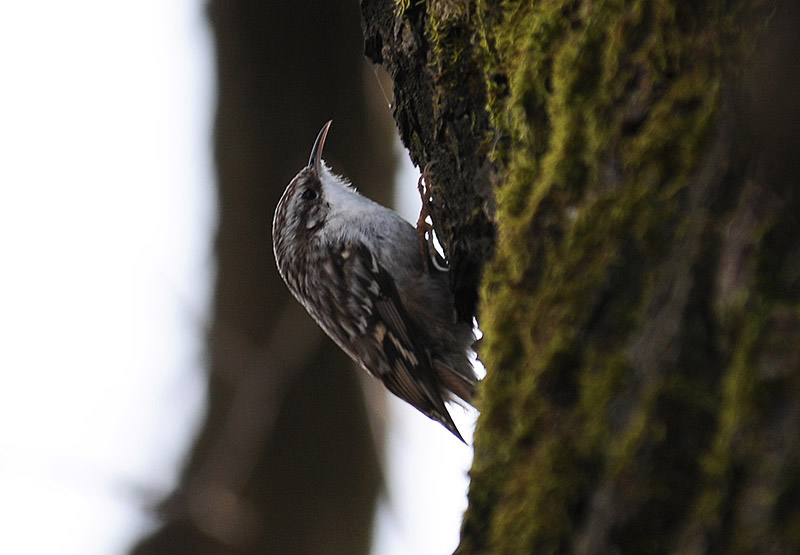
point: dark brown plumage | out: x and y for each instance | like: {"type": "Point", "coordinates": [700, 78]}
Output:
{"type": "Point", "coordinates": [356, 267]}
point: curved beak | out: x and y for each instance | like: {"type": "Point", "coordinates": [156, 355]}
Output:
{"type": "Point", "coordinates": [315, 160]}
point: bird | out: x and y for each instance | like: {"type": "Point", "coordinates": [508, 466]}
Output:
{"type": "Point", "coordinates": [356, 266]}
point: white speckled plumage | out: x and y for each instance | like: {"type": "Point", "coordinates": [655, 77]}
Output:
{"type": "Point", "coordinates": [357, 268]}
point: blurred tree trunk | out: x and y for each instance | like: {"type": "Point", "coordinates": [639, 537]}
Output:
{"type": "Point", "coordinates": [641, 307]}
{"type": "Point", "coordinates": [285, 461]}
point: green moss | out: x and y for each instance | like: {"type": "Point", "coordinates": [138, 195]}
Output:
{"type": "Point", "coordinates": [402, 6]}
{"type": "Point", "coordinates": [601, 111]}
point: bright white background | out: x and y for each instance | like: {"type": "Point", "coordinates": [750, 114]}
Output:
{"type": "Point", "coordinates": [106, 220]}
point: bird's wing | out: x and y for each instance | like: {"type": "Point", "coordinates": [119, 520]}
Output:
{"type": "Point", "coordinates": [374, 327]}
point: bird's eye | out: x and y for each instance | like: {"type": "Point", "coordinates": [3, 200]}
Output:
{"type": "Point", "coordinates": [309, 194]}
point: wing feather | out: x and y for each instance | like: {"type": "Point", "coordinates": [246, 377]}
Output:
{"type": "Point", "coordinates": [373, 327]}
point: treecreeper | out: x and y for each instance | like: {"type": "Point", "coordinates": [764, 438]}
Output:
{"type": "Point", "coordinates": [363, 274]}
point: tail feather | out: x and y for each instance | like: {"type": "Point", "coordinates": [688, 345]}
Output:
{"type": "Point", "coordinates": [455, 383]}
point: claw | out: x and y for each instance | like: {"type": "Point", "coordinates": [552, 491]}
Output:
{"type": "Point", "coordinates": [430, 257]}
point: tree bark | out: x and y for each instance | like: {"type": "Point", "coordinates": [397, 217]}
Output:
{"type": "Point", "coordinates": [285, 461]}
{"type": "Point", "coordinates": [622, 179]}
{"type": "Point", "coordinates": [439, 108]}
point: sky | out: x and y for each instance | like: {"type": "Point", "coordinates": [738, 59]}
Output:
{"type": "Point", "coordinates": [106, 221]}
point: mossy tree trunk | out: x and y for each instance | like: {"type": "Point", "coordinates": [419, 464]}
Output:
{"type": "Point", "coordinates": [622, 180]}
